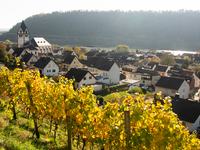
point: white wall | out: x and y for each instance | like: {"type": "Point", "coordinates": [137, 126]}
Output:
{"type": "Point", "coordinates": [97, 87]}
{"type": "Point", "coordinates": [48, 70]}
{"type": "Point", "coordinates": [33, 59]}
{"type": "Point", "coordinates": [196, 124]}
{"type": "Point", "coordinates": [88, 81]}
{"type": "Point", "coordinates": [165, 91]}
{"type": "Point", "coordinates": [114, 74]}
{"type": "Point", "coordinates": [184, 90]}
{"type": "Point", "coordinates": [188, 125]}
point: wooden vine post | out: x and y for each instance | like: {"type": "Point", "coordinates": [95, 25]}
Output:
{"type": "Point", "coordinates": [127, 128]}
{"type": "Point", "coordinates": [69, 133]}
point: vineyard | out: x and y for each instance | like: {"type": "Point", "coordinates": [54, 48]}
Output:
{"type": "Point", "coordinates": [135, 124]}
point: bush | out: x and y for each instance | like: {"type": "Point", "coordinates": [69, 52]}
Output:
{"type": "Point", "coordinates": [113, 97]}
{"type": "Point", "coordinates": [106, 90]}
{"type": "Point", "coordinates": [144, 91]}
{"type": "Point", "coordinates": [136, 89]}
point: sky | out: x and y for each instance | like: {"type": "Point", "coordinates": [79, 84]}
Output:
{"type": "Point", "coordinates": [14, 11]}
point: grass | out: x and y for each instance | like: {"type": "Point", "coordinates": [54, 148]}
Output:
{"type": "Point", "coordinates": [122, 93]}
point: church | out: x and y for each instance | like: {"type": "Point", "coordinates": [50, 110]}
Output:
{"type": "Point", "coordinates": [36, 46]}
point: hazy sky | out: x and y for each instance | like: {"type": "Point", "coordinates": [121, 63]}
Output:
{"type": "Point", "coordinates": [14, 11]}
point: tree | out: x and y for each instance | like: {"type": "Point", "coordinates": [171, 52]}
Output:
{"type": "Point", "coordinates": [167, 59]}
{"type": "Point", "coordinates": [68, 48]}
{"type": "Point", "coordinates": [84, 50]}
{"type": "Point", "coordinates": [8, 42]}
{"type": "Point", "coordinates": [185, 64]}
{"type": "Point", "coordinates": [155, 59]}
{"type": "Point", "coordinates": [55, 46]}
{"type": "Point", "coordinates": [99, 49]}
{"type": "Point", "coordinates": [81, 56]}
{"type": "Point", "coordinates": [14, 46]}
{"type": "Point", "coordinates": [122, 48]}
{"type": "Point", "coordinates": [188, 58]}
{"type": "Point", "coordinates": [3, 52]}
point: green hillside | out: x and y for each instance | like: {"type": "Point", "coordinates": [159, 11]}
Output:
{"type": "Point", "coordinates": [137, 29]}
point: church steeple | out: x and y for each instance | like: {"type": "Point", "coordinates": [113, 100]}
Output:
{"type": "Point", "coordinates": [22, 35]}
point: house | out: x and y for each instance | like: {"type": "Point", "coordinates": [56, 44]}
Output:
{"type": "Point", "coordinates": [42, 45]}
{"type": "Point", "coordinates": [152, 65]}
{"type": "Point", "coordinates": [169, 86]}
{"type": "Point", "coordinates": [9, 50]}
{"type": "Point", "coordinates": [29, 60]}
{"type": "Point", "coordinates": [57, 52]}
{"type": "Point", "coordinates": [107, 70]}
{"type": "Point", "coordinates": [90, 54]}
{"type": "Point", "coordinates": [71, 61]}
{"type": "Point", "coordinates": [47, 66]}
{"type": "Point", "coordinates": [19, 52]}
{"type": "Point", "coordinates": [66, 53]}
{"type": "Point", "coordinates": [188, 112]}
{"type": "Point", "coordinates": [174, 70]}
{"type": "Point", "coordinates": [162, 70]}
{"type": "Point", "coordinates": [31, 49]}
{"type": "Point", "coordinates": [130, 82]}
{"type": "Point", "coordinates": [179, 62]}
{"type": "Point", "coordinates": [190, 80]}
{"type": "Point", "coordinates": [192, 74]}
{"type": "Point", "coordinates": [82, 78]}
{"type": "Point", "coordinates": [146, 77]}
{"type": "Point", "coordinates": [2, 65]}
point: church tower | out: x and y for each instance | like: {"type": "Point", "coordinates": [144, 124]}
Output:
{"type": "Point", "coordinates": [22, 35]}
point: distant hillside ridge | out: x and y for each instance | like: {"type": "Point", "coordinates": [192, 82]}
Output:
{"type": "Point", "coordinates": [137, 29]}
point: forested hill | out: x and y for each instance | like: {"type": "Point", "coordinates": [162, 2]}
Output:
{"type": "Point", "coordinates": [137, 29]}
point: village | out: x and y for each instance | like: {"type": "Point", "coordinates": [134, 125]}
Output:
{"type": "Point", "coordinates": [99, 68]}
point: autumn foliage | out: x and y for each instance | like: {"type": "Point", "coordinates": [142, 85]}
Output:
{"type": "Point", "coordinates": [153, 126]}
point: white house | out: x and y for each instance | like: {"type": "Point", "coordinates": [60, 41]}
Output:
{"type": "Point", "coordinates": [169, 86]}
{"type": "Point", "coordinates": [82, 78]}
{"type": "Point", "coordinates": [108, 71]}
{"type": "Point", "coordinates": [10, 50]}
{"type": "Point", "coordinates": [147, 77]}
{"type": "Point", "coordinates": [188, 112]}
{"type": "Point", "coordinates": [19, 52]}
{"type": "Point", "coordinates": [47, 66]}
{"type": "Point", "coordinates": [29, 60]}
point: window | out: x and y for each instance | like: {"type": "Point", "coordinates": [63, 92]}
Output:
{"type": "Point", "coordinates": [48, 70]}
{"type": "Point", "coordinates": [184, 123]}
{"type": "Point", "coordinates": [183, 90]}
{"type": "Point", "coordinates": [90, 77]}
{"type": "Point", "coordinates": [49, 65]}
{"type": "Point", "coordinates": [26, 35]}
{"type": "Point", "coordinates": [54, 70]}
{"type": "Point", "coordinates": [84, 78]}
{"type": "Point", "coordinates": [74, 62]}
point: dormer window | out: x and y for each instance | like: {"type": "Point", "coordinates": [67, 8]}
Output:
{"type": "Point", "coordinates": [44, 41]}
{"type": "Point", "coordinates": [38, 42]}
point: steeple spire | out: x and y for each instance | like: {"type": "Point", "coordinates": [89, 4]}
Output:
{"type": "Point", "coordinates": [22, 35]}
